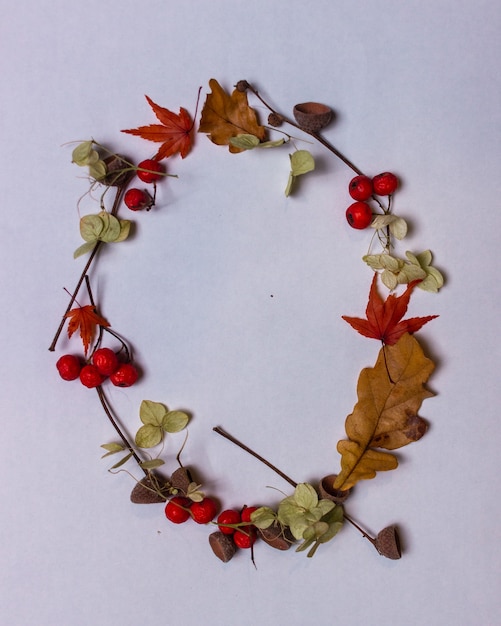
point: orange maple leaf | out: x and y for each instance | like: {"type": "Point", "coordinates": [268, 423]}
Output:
{"type": "Point", "coordinates": [85, 319]}
{"type": "Point", "coordinates": [174, 132]}
{"type": "Point", "coordinates": [384, 318]}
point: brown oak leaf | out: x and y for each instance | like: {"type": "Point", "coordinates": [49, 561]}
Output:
{"type": "Point", "coordinates": [384, 317]}
{"type": "Point", "coordinates": [385, 416]}
{"type": "Point", "coordinates": [225, 116]}
{"type": "Point", "coordinates": [85, 319]}
{"type": "Point", "coordinates": [174, 132]}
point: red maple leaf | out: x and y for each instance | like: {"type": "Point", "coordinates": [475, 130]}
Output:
{"type": "Point", "coordinates": [384, 318]}
{"type": "Point", "coordinates": [85, 319]}
{"type": "Point", "coordinates": [174, 132]}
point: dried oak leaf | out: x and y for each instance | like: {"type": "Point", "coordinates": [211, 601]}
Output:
{"type": "Point", "coordinates": [385, 416]}
{"type": "Point", "coordinates": [384, 317]}
{"type": "Point", "coordinates": [174, 132]}
{"type": "Point", "coordinates": [85, 319]}
{"type": "Point", "coordinates": [225, 116]}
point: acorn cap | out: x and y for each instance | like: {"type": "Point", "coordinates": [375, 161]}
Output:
{"type": "Point", "coordinates": [312, 116]}
{"type": "Point", "coordinates": [181, 479]}
{"type": "Point", "coordinates": [388, 544]}
{"type": "Point", "coordinates": [277, 536]}
{"type": "Point", "coordinates": [328, 492]}
{"type": "Point", "coordinates": [222, 545]}
{"type": "Point", "coordinates": [150, 490]}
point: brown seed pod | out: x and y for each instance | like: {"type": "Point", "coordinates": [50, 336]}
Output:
{"type": "Point", "coordinates": [275, 120]}
{"type": "Point", "coordinates": [328, 492]}
{"type": "Point", "coordinates": [118, 171]}
{"type": "Point", "coordinates": [222, 545]}
{"type": "Point", "coordinates": [312, 116]}
{"type": "Point", "coordinates": [150, 490]}
{"type": "Point", "coordinates": [181, 479]}
{"type": "Point", "coordinates": [242, 86]}
{"type": "Point", "coordinates": [388, 543]}
{"type": "Point", "coordinates": [277, 536]}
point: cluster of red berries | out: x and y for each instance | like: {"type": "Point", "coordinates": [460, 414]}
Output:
{"type": "Point", "coordinates": [237, 524]}
{"type": "Point", "coordinates": [149, 171]}
{"type": "Point", "coordinates": [104, 364]}
{"type": "Point", "coordinates": [361, 189]}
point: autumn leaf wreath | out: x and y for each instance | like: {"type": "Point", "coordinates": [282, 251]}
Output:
{"type": "Point", "coordinates": [389, 394]}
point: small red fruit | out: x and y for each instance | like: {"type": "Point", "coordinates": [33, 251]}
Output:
{"type": "Point", "coordinates": [177, 509]}
{"type": "Point", "coordinates": [360, 187]}
{"type": "Point", "coordinates": [125, 376]}
{"type": "Point", "coordinates": [105, 360]}
{"type": "Point", "coordinates": [385, 184]}
{"type": "Point", "coordinates": [69, 367]}
{"type": "Point", "coordinates": [245, 538]}
{"type": "Point", "coordinates": [91, 377]}
{"type": "Point", "coordinates": [138, 199]}
{"type": "Point", "coordinates": [359, 215]}
{"type": "Point", "coordinates": [247, 511]}
{"type": "Point", "coordinates": [149, 171]}
{"type": "Point", "coordinates": [230, 516]}
{"type": "Point", "coordinates": [204, 511]}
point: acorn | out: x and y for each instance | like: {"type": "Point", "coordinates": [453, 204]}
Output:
{"type": "Point", "coordinates": [222, 545]}
{"type": "Point", "coordinates": [150, 490]}
{"type": "Point", "coordinates": [387, 543]}
{"type": "Point", "coordinates": [277, 536]}
{"type": "Point", "coordinates": [312, 116]}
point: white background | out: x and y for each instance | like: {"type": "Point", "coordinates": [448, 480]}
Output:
{"type": "Point", "coordinates": [416, 89]}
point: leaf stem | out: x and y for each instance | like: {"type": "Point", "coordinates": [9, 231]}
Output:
{"type": "Point", "coordinates": [316, 136]}
{"type": "Point", "coordinates": [91, 258]}
{"type": "Point", "coordinates": [107, 410]}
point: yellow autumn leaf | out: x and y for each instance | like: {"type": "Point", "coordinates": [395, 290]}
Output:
{"type": "Point", "coordinates": [385, 416]}
{"type": "Point", "coordinates": [225, 116]}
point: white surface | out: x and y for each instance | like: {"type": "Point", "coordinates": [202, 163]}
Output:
{"type": "Point", "coordinates": [416, 86]}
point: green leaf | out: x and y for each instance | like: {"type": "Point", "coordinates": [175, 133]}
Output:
{"type": "Point", "coordinates": [174, 421]}
{"type": "Point", "coordinates": [122, 461]}
{"type": "Point", "coordinates": [245, 141]}
{"type": "Point", "coordinates": [111, 228]}
{"type": "Point", "coordinates": [263, 517]}
{"type": "Point", "coordinates": [112, 448]}
{"type": "Point", "coordinates": [98, 170]}
{"type": "Point", "coordinates": [152, 412]}
{"type": "Point", "coordinates": [88, 246]}
{"type": "Point", "coordinates": [290, 185]}
{"type": "Point", "coordinates": [124, 230]}
{"type": "Point", "coordinates": [398, 228]}
{"type": "Point", "coordinates": [149, 436]}
{"type": "Point", "coordinates": [91, 227]}
{"type": "Point", "coordinates": [301, 162]}
{"type": "Point", "coordinates": [83, 153]}
{"type": "Point", "coordinates": [272, 144]}
{"type": "Point", "coordinates": [152, 464]}
{"type": "Point", "coordinates": [305, 496]}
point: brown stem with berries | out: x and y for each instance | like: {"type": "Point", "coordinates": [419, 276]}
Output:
{"type": "Point", "coordinates": [315, 135]}
{"type": "Point", "coordinates": [91, 258]}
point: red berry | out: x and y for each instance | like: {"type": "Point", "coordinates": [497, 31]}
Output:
{"type": "Point", "coordinates": [91, 377]}
{"type": "Point", "coordinates": [137, 199]}
{"type": "Point", "coordinates": [247, 511]}
{"type": "Point", "coordinates": [360, 187]}
{"type": "Point", "coordinates": [177, 509]}
{"type": "Point", "coordinates": [69, 367]}
{"type": "Point", "coordinates": [203, 512]}
{"type": "Point", "coordinates": [154, 171]}
{"type": "Point", "coordinates": [245, 538]}
{"type": "Point", "coordinates": [385, 184]}
{"type": "Point", "coordinates": [359, 215]}
{"type": "Point", "coordinates": [230, 516]}
{"type": "Point", "coordinates": [105, 360]}
{"type": "Point", "coordinates": [125, 376]}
